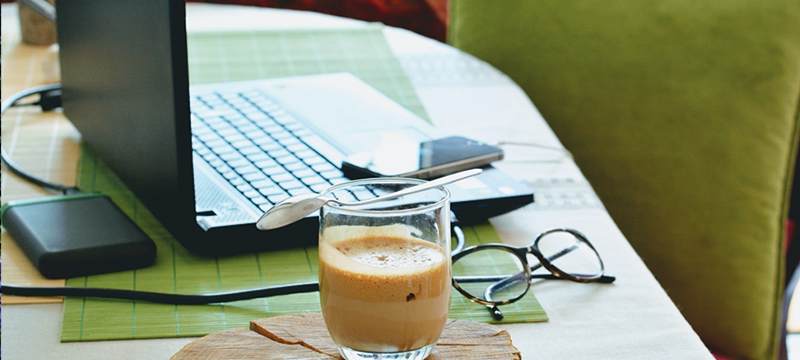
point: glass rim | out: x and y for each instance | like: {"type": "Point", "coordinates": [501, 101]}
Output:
{"type": "Point", "coordinates": [386, 180]}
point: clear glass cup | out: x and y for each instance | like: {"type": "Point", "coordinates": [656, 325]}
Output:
{"type": "Point", "coordinates": [384, 269]}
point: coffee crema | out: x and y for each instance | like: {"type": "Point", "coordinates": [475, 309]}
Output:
{"type": "Point", "coordinates": [383, 292]}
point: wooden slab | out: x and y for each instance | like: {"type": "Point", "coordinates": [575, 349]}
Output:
{"type": "Point", "coordinates": [304, 336]}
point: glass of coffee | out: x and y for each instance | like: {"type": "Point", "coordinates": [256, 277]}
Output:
{"type": "Point", "coordinates": [384, 269]}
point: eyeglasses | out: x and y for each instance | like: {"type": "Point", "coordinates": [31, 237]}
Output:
{"type": "Point", "coordinates": [500, 274]}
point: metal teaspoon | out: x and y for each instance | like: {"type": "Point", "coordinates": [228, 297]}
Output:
{"type": "Point", "coordinates": [297, 207]}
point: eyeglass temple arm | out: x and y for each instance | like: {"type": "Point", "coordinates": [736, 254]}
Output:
{"type": "Point", "coordinates": [498, 315]}
{"type": "Point", "coordinates": [604, 279]}
{"type": "Point", "coordinates": [505, 281]}
{"type": "Point", "coordinates": [557, 255]}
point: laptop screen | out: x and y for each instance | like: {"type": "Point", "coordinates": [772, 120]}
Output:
{"type": "Point", "coordinates": [125, 88]}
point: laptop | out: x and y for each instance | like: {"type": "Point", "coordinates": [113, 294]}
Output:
{"type": "Point", "coordinates": [208, 160]}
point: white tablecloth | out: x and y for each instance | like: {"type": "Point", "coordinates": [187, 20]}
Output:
{"type": "Point", "coordinates": [630, 319]}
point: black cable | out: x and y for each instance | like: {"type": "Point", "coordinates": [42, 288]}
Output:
{"type": "Point", "coordinates": [50, 98]}
{"type": "Point", "coordinates": [176, 299]}
{"type": "Point", "coordinates": [461, 240]}
{"type": "Point", "coordinates": [156, 297]}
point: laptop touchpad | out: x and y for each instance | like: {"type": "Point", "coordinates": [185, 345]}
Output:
{"type": "Point", "coordinates": [387, 139]}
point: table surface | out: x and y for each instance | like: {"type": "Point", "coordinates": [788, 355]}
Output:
{"type": "Point", "coordinates": [630, 319]}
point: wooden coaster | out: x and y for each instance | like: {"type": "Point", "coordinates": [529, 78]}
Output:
{"type": "Point", "coordinates": [304, 336]}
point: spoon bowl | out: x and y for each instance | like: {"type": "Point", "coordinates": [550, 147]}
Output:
{"type": "Point", "coordinates": [297, 207]}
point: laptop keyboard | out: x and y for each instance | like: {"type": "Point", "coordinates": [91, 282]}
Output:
{"type": "Point", "coordinates": [259, 147]}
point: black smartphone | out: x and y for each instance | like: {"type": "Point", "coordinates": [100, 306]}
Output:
{"type": "Point", "coordinates": [424, 160]}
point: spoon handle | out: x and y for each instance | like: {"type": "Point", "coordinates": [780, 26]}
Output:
{"type": "Point", "coordinates": [421, 187]}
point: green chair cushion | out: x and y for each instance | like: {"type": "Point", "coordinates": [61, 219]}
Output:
{"type": "Point", "coordinates": [683, 115]}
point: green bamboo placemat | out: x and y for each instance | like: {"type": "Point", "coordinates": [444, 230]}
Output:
{"type": "Point", "coordinates": [232, 56]}
{"type": "Point", "coordinates": [179, 271]}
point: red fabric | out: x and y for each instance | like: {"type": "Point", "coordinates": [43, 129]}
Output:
{"type": "Point", "coordinates": [425, 17]}
{"type": "Point", "coordinates": [720, 357]}
{"type": "Point", "coordinates": [789, 234]}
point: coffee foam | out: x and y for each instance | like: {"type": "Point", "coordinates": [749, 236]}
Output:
{"type": "Point", "coordinates": [394, 253]}
{"type": "Point", "coordinates": [379, 251]}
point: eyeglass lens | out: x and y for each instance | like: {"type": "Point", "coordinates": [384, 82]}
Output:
{"type": "Point", "coordinates": [491, 274]}
{"type": "Point", "coordinates": [569, 254]}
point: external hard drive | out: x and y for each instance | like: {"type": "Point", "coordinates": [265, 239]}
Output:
{"type": "Point", "coordinates": [77, 235]}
